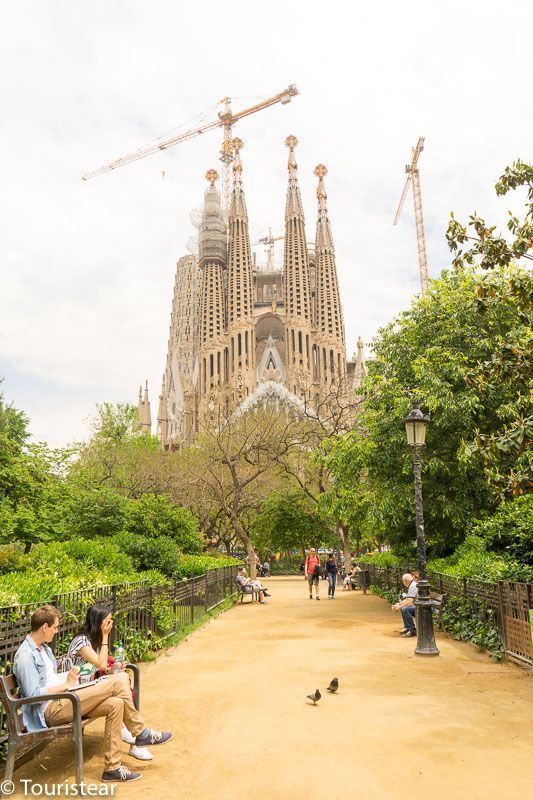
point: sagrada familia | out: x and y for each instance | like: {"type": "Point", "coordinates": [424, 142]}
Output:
{"type": "Point", "coordinates": [241, 336]}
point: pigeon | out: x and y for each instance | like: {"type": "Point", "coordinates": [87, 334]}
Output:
{"type": "Point", "coordinates": [333, 686]}
{"type": "Point", "coordinates": [314, 697]}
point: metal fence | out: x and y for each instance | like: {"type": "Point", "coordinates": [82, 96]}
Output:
{"type": "Point", "coordinates": [508, 604]}
{"type": "Point", "coordinates": [137, 608]}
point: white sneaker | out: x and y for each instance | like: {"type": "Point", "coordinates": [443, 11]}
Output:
{"type": "Point", "coordinates": [142, 753]}
{"type": "Point", "coordinates": [127, 737]}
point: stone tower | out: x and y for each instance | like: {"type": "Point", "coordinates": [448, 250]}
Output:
{"type": "Point", "coordinates": [297, 295]}
{"type": "Point", "coordinates": [243, 334]}
{"type": "Point", "coordinates": [240, 300]}
{"type": "Point", "coordinates": [143, 408]}
{"type": "Point", "coordinates": [212, 343]}
{"type": "Point", "coordinates": [329, 320]}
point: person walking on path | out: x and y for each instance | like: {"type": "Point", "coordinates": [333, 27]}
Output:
{"type": "Point", "coordinates": [312, 572]}
{"type": "Point", "coordinates": [331, 574]}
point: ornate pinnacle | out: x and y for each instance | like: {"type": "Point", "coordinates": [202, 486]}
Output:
{"type": "Point", "coordinates": [237, 145]}
{"type": "Point", "coordinates": [212, 176]}
{"type": "Point", "coordinates": [320, 170]}
{"type": "Point", "coordinates": [291, 142]}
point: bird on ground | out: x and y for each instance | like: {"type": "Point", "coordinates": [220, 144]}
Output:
{"type": "Point", "coordinates": [334, 685]}
{"type": "Point", "coordinates": [314, 697]}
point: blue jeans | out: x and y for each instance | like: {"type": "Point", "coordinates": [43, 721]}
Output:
{"type": "Point", "coordinates": [332, 580]}
{"type": "Point", "coordinates": [408, 616]}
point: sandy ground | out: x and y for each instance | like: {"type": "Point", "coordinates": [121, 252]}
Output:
{"type": "Point", "coordinates": [457, 726]}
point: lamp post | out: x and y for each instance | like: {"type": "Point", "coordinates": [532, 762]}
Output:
{"type": "Point", "coordinates": [415, 427]}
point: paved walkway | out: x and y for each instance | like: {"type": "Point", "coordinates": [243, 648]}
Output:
{"type": "Point", "coordinates": [457, 726]}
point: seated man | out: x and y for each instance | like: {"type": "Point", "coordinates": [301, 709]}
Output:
{"type": "Point", "coordinates": [248, 585]}
{"type": "Point", "coordinates": [35, 669]}
{"type": "Point", "coordinates": [407, 606]}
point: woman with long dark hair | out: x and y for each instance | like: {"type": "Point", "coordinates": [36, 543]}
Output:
{"type": "Point", "coordinates": [91, 645]}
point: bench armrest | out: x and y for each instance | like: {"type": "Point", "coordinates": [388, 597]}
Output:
{"type": "Point", "coordinates": [136, 684]}
{"type": "Point", "coordinates": [42, 698]}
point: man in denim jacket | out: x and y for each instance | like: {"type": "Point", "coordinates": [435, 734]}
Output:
{"type": "Point", "coordinates": [35, 670]}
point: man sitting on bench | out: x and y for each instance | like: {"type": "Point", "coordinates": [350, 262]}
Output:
{"type": "Point", "coordinates": [248, 586]}
{"type": "Point", "coordinates": [35, 669]}
{"type": "Point", "coordinates": [407, 606]}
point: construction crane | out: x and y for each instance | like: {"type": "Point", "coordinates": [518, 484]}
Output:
{"type": "Point", "coordinates": [269, 242]}
{"type": "Point", "coordinates": [226, 120]}
{"type": "Point", "coordinates": [413, 177]}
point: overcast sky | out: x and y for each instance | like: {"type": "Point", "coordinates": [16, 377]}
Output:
{"type": "Point", "coordinates": [88, 267]}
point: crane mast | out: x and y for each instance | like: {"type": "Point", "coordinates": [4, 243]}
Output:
{"type": "Point", "coordinates": [226, 120]}
{"type": "Point", "coordinates": [413, 178]}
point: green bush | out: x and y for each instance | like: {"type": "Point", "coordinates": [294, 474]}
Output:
{"type": "Point", "coordinates": [95, 512]}
{"type": "Point", "coordinates": [473, 560]}
{"type": "Point", "coordinates": [382, 560]}
{"type": "Point", "coordinates": [190, 565]}
{"type": "Point", "coordinates": [12, 559]}
{"type": "Point", "coordinates": [160, 553]}
{"type": "Point", "coordinates": [473, 622]}
{"type": "Point", "coordinates": [510, 529]}
{"type": "Point", "coordinates": [153, 516]}
{"type": "Point", "coordinates": [390, 595]}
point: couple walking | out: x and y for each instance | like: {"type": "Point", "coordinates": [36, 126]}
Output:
{"type": "Point", "coordinates": [313, 573]}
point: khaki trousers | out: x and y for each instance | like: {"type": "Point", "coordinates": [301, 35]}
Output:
{"type": "Point", "coordinates": [110, 698]}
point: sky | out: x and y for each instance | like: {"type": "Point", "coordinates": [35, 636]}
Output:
{"type": "Point", "coordinates": [87, 267]}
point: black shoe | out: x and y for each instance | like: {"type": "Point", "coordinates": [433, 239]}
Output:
{"type": "Point", "coordinates": [120, 774]}
{"type": "Point", "coordinates": [267, 594]}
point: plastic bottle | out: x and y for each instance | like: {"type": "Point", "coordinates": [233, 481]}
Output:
{"type": "Point", "coordinates": [120, 654]}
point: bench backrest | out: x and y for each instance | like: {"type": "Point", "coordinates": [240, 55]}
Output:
{"type": "Point", "coordinates": [8, 694]}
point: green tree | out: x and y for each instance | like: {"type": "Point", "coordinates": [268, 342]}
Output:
{"type": "Point", "coordinates": [153, 516]}
{"type": "Point", "coordinates": [430, 352]}
{"type": "Point", "coordinates": [504, 448]}
{"type": "Point", "coordinates": [290, 519]}
{"type": "Point", "coordinates": [95, 512]}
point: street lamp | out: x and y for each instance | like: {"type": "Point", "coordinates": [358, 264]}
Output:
{"type": "Point", "coordinates": [415, 427]}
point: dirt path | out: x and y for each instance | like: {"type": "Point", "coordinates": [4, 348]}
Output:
{"type": "Point", "coordinates": [456, 726]}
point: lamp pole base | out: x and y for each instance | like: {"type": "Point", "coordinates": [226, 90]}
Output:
{"type": "Point", "coordinates": [425, 645]}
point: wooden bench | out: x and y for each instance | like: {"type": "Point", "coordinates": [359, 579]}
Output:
{"type": "Point", "coordinates": [242, 593]}
{"type": "Point", "coordinates": [21, 742]}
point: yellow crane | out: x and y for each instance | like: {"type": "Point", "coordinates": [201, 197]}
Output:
{"type": "Point", "coordinates": [413, 177]}
{"type": "Point", "coordinates": [226, 120]}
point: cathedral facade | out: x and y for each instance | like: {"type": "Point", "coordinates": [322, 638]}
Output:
{"type": "Point", "coordinates": [238, 333]}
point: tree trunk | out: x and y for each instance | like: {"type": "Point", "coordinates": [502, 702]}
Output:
{"type": "Point", "coordinates": [247, 542]}
{"type": "Point", "coordinates": [345, 536]}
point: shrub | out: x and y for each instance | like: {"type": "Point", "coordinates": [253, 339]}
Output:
{"type": "Point", "coordinates": [387, 559]}
{"type": "Point", "coordinates": [509, 529]}
{"type": "Point", "coordinates": [95, 512]}
{"type": "Point", "coordinates": [153, 516]}
{"type": "Point", "coordinates": [160, 553]}
{"type": "Point", "coordinates": [473, 622]}
{"type": "Point", "coordinates": [472, 560]}
{"type": "Point", "coordinates": [190, 565]}
{"type": "Point", "coordinates": [12, 559]}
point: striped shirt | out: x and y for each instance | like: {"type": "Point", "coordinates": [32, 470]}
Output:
{"type": "Point", "coordinates": [79, 641]}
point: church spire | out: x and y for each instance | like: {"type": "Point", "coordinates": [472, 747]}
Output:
{"type": "Point", "coordinates": [162, 415]}
{"type": "Point", "coordinates": [241, 354]}
{"type": "Point", "coordinates": [145, 416]}
{"type": "Point", "coordinates": [329, 318]}
{"type": "Point", "coordinates": [211, 323]}
{"type": "Point", "coordinates": [296, 283]}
